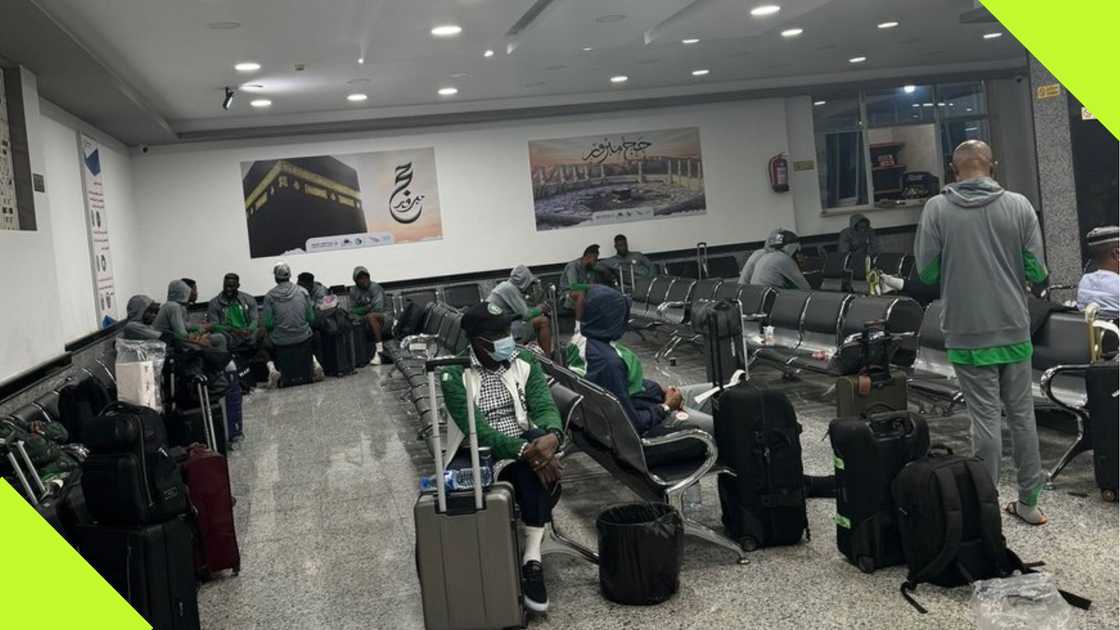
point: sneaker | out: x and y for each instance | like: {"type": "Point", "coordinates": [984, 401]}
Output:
{"type": "Point", "coordinates": [376, 360]}
{"type": "Point", "coordinates": [532, 584]}
{"type": "Point", "coordinates": [274, 379]}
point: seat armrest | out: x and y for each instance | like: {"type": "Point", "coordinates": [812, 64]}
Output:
{"type": "Point", "coordinates": [710, 453]}
{"type": "Point", "coordinates": [664, 306]}
{"type": "Point", "coordinates": [422, 337]}
{"type": "Point", "coordinates": [755, 317]}
{"type": "Point", "coordinates": [1046, 384]}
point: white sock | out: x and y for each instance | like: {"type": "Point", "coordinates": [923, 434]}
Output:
{"type": "Point", "coordinates": [533, 538]}
{"type": "Point", "coordinates": [315, 363]}
{"type": "Point", "coordinates": [379, 347]}
{"type": "Point", "coordinates": [271, 366]}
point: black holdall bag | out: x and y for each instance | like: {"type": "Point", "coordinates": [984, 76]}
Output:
{"type": "Point", "coordinates": [411, 320]}
{"type": "Point", "coordinates": [950, 524]}
{"type": "Point", "coordinates": [758, 437]}
{"type": "Point", "coordinates": [868, 452]}
{"type": "Point", "coordinates": [1101, 384]}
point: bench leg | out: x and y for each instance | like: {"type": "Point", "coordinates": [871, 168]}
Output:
{"type": "Point", "coordinates": [696, 529]}
{"type": "Point", "coordinates": [669, 348]}
{"type": "Point", "coordinates": [1079, 446]}
{"type": "Point", "coordinates": [556, 543]}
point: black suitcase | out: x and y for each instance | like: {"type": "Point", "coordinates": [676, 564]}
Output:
{"type": "Point", "coordinates": [758, 437]}
{"type": "Point", "coordinates": [364, 345]}
{"type": "Point", "coordinates": [721, 324]}
{"type": "Point", "coordinates": [869, 451]}
{"type": "Point", "coordinates": [1101, 385]}
{"type": "Point", "coordinates": [294, 362]}
{"type": "Point", "coordinates": [337, 348]}
{"type": "Point", "coordinates": [151, 567]}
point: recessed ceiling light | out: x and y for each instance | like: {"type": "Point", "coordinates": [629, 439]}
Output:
{"type": "Point", "coordinates": [701, 72]}
{"type": "Point", "coordinates": [886, 25]}
{"type": "Point", "coordinates": [992, 35]}
{"type": "Point", "coordinates": [857, 60]}
{"type": "Point", "coordinates": [927, 104]}
{"type": "Point", "coordinates": [792, 32]}
{"type": "Point", "coordinates": [916, 105]}
{"type": "Point", "coordinates": [621, 78]}
{"type": "Point", "coordinates": [765, 9]}
{"type": "Point", "coordinates": [356, 98]}
{"type": "Point", "coordinates": [488, 53]}
{"type": "Point", "coordinates": [968, 109]}
{"type": "Point", "coordinates": [587, 49]}
{"type": "Point", "coordinates": [690, 41]}
{"type": "Point", "coordinates": [361, 59]}
{"type": "Point", "coordinates": [941, 104]}
{"type": "Point", "coordinates": [909, 89]}
{"type": "Point", "coordinates": [223, 26]}
{"type": "Point", "coordinates": [607, 19]}
{"type": "Point", "coordinates": [447, 30]}
{"type": "Point", "coordinates": [819, 103]}
{"type": "Point", "coordinates": [448, 91]}
{"type": "Point", "coordinates": [247, 66]}
{"type": "Point", "coordinates": [261, 102]}
{"type": "Point", "coordinates": [252, 87]}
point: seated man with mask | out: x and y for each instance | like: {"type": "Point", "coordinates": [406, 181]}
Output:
{"type": "Point", "coordinates": [233, 313]}
{"type": "Point", "coordinates": [529, 323]}
{"type": "Point", "coordinates": [775, 266]}
{"type": "Point", "coordinates": [517, 419]}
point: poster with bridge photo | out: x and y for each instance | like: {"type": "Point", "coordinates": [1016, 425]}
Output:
{"type": "Point", "coordinates": [305, 205]}
{"type": "Point", "coordinates": [617, 178]}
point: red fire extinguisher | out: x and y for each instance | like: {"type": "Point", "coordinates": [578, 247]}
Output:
{"type": "Point", "coordinates": [779, 173]}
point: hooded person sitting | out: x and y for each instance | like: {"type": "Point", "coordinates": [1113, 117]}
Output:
{"type": "Point", "coordinates": [775, 266]}
{"type": "Point", "coordinates": [234, 314]}
{"type": "Point", "coordinates": [314, 288]}
{"type": "Point", "coordinates": [859, 240]}
{"type": "Point", "coordinates": [172, 319]}
{"type": "Point", "coordinates": [287, 315]}
{"type": "Point", "coordinates": [596, 354]}
{"type": "Point", "coordinates": [141, 311]}
{"type": "Point", "coordinates": [529, 322]}
{"type": "Point", "coordinates": [367, 303]}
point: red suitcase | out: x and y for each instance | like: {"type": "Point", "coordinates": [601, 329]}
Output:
{"type": "Point", "coordinates": [206, 474]}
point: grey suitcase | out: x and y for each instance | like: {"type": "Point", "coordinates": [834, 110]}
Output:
{"type": "Point", "coordinates": [467, 548]}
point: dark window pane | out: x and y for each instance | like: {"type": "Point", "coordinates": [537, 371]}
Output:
{"type": "Point", "coordinates": [962, 99]}
{"type": "Point", "coordinates": [841, 168]}
{"type": "Point", "coordinates": [900, 106]}
{"type": "Point", "coordinates": [836, 114]}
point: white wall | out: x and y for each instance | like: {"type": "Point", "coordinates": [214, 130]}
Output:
{"type": "Point", "coordinates": [194, 224]}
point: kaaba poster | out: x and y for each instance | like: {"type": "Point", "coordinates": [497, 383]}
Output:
{"type": "Point", "coordinates": [303, 205]}
{"type": "Point", "coordinates": [617, 178]}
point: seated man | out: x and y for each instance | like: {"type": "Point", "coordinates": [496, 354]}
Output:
{"type": "Point", "coordinates": [172, 319]}
{"type": "Point", "coordinates": [625, 259]}
{"type": "Point", "coordinates": [579, 274]}
{"type": "Point", "coordinates": [314, 288]}
{"type": "Point", "coordinates": [516, 417]}
{"type": "Point", "coordinates": [194, 290]}
{"type": "Point", "coordinates": [233, 313]}
{"type": "Point", "coordinates": [1102, 287]}
{"type": "Point", "coordinates": [287, 316]}
{"type": "Point", "coordinates": [859, 240]}
{"type": "Point", "coordinates": [529, 323]}
{"type": "Point", "coordinates": [774, 266]}
{"type": "Point", "coordinates": [141, 312]}
{"type": "Point", "coordinates": [367, 303]}
{"type": "Point", "coordinates": [596, 354]}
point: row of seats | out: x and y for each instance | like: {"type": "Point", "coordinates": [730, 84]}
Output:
{"type": "Point", "coordinates": [844, 272]}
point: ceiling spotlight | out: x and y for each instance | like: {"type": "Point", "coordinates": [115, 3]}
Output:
{"type": "Point", "coordinates": [223, 26]}
{"type": "Point", "coordinates": [260, 102]}
{"type": "Point", "coordinates": [447, 30]}
{"type": "Point", "coordinates": [857, 60]}
{"type": "Point", "coordinates": [909, 89]}
{"type": "Point", "coordinates": [992, 35]}
{"type": "Point", "coordinates": [916, 105]}
{"type": "Point", "coordinates": [927, 104]}
{"type": "Point", "coordinates": [690, 41]}
{"type": "Point", "coordinates": [356, 98]}
{"type": "Point", "coordinates": [488, 53]}
{"type": "Point", "coordinates": [448, 91]}
{"type": "Point", "coordinates": [886, 25]}
{"type": "Point", "coordinates": [968, 109]}
{"type": "Point", "coordinates": [792, 32]}
{"type": "Point", "coordinates": [361, 59]}
{"type": "Point", "coordinates": [587, 49]}
{"type": "Point", "coordinates": [622, 78]}
{"type": "Point", "coordinates": [764, 10]}
{"type": "Point", "coordinates": [700, 73]}
{"type": "Point", "coordinates": [608, 19]}
{"type": "Point", "coordinates": [227, 100]}
{"type": "Point", "coordinates": [819, 103]}
{"type": "Point", "coordinates": [941, 104]}
{"type": "Point", "coordinates": [247, 66]}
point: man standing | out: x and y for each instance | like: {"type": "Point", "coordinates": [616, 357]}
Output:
{"type": "Point", "coordinates": [624, 260]}
{"type": "Point", "coordinates": [1102, 287]}
{"type": "Point", "coordinates": [367, 303]}
{"type": "Point", "coordinates": [983, 245]}
{"type": "Point", "coordinates": [774, 266]}
{"type": "Point", "coordinates": [859, 240]}
{"type": "Point", "coordinates": [234, 313]}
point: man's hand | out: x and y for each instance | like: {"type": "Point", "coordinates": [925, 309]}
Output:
{"type": "Point", "coordinates": [202, 340]}
{"type": "Point", "coordinates": [674, 399]}
{"type": "Point", "coordinates": [550, 473]}
{"type": "Point", "coordinates": [547, 445]}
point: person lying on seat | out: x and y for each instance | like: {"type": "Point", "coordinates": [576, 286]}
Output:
{"type": "Point", "coordinates": [596, 354]}
{"type": "Point", "coordinates": [529, 323]}
{"type": "Point", "coordinates": [775, 266]}
{"type": "Point", "coordinates": [233, 313]}
{"type": "Point", "coordinates": [141, 312]}
{"type": "Point", "coordinates": [172, 319]}
{"type": "Point", "coordinates": [368, 304]}
{"type": "Point", "coordinates": [517, 419]}
{"type": "Point", "coordinates": [287, 316]}
{"type": "Point", "coordinates": [1102, 287]}
{"type": "Point", "coordinates": [314, 288]}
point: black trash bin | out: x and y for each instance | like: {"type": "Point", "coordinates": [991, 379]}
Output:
{"type": "Point", "coordinates": [640, 550]}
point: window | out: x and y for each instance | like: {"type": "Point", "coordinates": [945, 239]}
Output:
{"type": "Point", "coordinates": [896, 142]}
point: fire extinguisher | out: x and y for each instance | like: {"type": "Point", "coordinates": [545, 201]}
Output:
{"type": "Point", "coordinates": [779, 173]}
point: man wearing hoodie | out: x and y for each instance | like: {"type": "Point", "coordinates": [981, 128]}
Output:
{"type": "Point", "coordinates": [314, 288]}
{"type": "Point", "coordinates": [859, 240]}
{"type": "Point", "coordinates": [234, 314]}
{"type": "Point", "coordinates": [529, 322]}
{"type": "Point", "coordinates": [142, 311]}
{"type": "Point", "coordinates": [367, 303]}
{"type": "Point", "coordinates": [983, 245]}
{"type": "Point", "coordinates": [774, 266]}
{"type": "Point", "coordinates": [172, 318]}
{"type": "Point", "coordinates": [287, 316]}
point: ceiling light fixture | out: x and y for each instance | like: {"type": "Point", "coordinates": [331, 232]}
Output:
{"type": "Point", "coordinates": [223, 26]}
{"type": "Point", "coordinates": [764, 10]}
{"type": "Point", "coordinates": [227, 100]}
{"type": "Point", "coordinates": [701, 72]}
{"type": "Point", "coordinates": [993, 35]}
{"type": "Point", "coordinates": [608, 19]}
{"type": "Point", "coordinates": [488, 53]}
{"type": "Point", "coordinates": [916, 105]}
{"type": "Point", "coordinates": [819, 103]}
{"type": "Point", "coordinates": [587, 49]}
{"type": "Point", "coordinates": [448, 91]}
{"type": "Point", "coordinates": [361, 60]}
{"type": "Point", "coordinates": [356, 98]}
{"type": "Point", "coordinates": [886, 25]}
{"type": "Point", "coordinates": [792, 32]}
{"type": "Point", "coordinates": [261, 102]}
{"type": "Point", "coordinates": [621, 78]}
{"type": "Point", "coordinates": [447, 30]}
{"type": "Point", "coordinates": [968, 109]}
{"type": "Point", "coordinates": [941, 104]}
{"type": "Point", "coordinates": [927, 104]}
{"type": "Point", "coordinates": [690, 41]}
{"type": "Point", "coordinates": [247, 66]}
{"type": "Point", "coordinates": [252, 87]}
{"type": "Point", "coordinates": [857, 60]}
{"type": "Point", "coordinates": [909, 89]}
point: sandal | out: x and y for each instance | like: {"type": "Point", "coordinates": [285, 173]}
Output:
{"type": "Point", "coordinates": [1011, 509]}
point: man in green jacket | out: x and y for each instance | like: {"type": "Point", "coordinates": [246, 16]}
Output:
{"type": "Point", "coordinates": [516, 417]}
{"type": "Point", "coordinates": [234, 314]}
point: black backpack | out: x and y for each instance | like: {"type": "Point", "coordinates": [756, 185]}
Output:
{"type": "Point", "coordinates": [410, 321]}
{"type": "Point", "coordinates": [950, 522]}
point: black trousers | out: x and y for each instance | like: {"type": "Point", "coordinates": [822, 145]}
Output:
{"type": "Point", "coordinates": [533, 498]}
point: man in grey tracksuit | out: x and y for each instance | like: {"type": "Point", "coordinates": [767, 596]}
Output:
{"type": "Point", "coordinates": [983, 244]}
{"type": "Point", "coordinates": [859, 240]}
{"type": "Point", "coordinates": [172, 319]}
{"type": "Point", "coordinates": [529, 322]}
{"type": "Point", "coordinates": [774, 266]}
{"type": "Point", "coordinates": [367, 303]}
{"type": "Point", "coordinates": [287, 316]}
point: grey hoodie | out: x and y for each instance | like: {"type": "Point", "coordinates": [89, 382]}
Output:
{"type": "Point", "coordinates": [860, 242]}
{"type": "Point", "coordinates": [287, 314]}
{"type": "Point", "coordinates": [643, 266]}
{"type": "Point", "coordinates": [983, 245]}
{"type": "Point", "coordinates": [509, 295]}
{"type": "Point", "coordinates": [368, 300]}
{"type": "Point", "coordinates": [172, 316]}
{"type": "Point", "coordinates": [136, 329]}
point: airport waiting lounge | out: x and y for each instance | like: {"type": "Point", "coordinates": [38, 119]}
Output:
{"type": "Point", "coordinates": [468, 314]}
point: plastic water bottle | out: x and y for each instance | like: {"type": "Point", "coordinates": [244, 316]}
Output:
{"type": "Point", "coordinates": [459, 479]}
{"type": "Point", "coordinates": [693, 500]}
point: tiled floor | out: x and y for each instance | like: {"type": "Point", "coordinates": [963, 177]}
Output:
{"type": "Point", "coordinates": [327, 476]}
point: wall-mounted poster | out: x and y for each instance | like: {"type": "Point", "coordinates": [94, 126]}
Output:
{"type": "Point", "coordinates": [304, 205]}
{"type": "Point", "coordinates": [97, 226]}
{"type": "Point", "coordinates": [17, 199]}
{"type": "Point", "coordinates": [617, 178]}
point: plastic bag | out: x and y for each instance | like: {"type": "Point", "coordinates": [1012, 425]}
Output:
{"type": "Point", "coordinates": [139, 372]}
{"type": "Point", "coordinates": [641, 546]}
{"type": "Point", "coordinates": [1022, 602]}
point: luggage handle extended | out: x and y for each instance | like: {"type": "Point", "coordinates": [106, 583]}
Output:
{"type": "Point", "coordinates": [472, 433]}
{"type": "Point", "coordinates": [18, 470]}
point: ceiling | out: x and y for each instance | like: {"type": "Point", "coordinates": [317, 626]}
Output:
{"type": "Point", "coordinates": [170, 55]}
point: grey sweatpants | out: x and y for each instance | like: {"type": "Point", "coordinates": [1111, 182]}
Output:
{"type": "Point", "coordinates": [986, 390]}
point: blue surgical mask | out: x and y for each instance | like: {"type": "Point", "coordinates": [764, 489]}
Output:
{"type": "Point", "coordinates": [503, 349]}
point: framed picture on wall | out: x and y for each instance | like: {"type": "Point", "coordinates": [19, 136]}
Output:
{"type": "Point", "coordinates": [17, 198]}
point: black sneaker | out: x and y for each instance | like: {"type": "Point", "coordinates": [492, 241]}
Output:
{"type": "Point", "coordinates": [532, 583]}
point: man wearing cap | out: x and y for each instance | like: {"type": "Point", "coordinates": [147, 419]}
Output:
{"type": "Point", "coordinates": [529, 322]}
{"type": "Point", "coordinates": [1102, 287]}
{"type": "Point", "coordinates": [517, 419]}
{"type": "Point", "coordinates": [287, 315]}
{"type": "Point", "coordinates": [774, 266]}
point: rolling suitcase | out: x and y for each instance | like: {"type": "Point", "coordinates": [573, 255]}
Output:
{"type": "Point", "coordinates": [234, 423]}
{"type": "Point", "coordinates": [721, 324]}
{"type": "Point", "coordinates": [151, 567]}
{"type": "Point", "coordinates": [758, 437]}
{"type": "Point", "coordinates": [363, 344]}
{"type": "Point", "coordinates": [869, 451]}
{"type": "Point", "coordinates": [467, 549]}
{"type": "Point", "coordinates": [1101, 384]}
{"type": "Point", "coordinates": [294, 363]}
{"type": "Point", "coordinates": [206, 474]}
{"type": "Point", "coordinates": [337, 347]}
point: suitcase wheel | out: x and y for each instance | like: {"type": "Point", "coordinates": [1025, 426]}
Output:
{"type": "Point", "coordinates": [1109, 495]}
{"type": "Point", "coordinates": [749, 543]}
{"type": "Point", "coordinates": [866, 564]}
